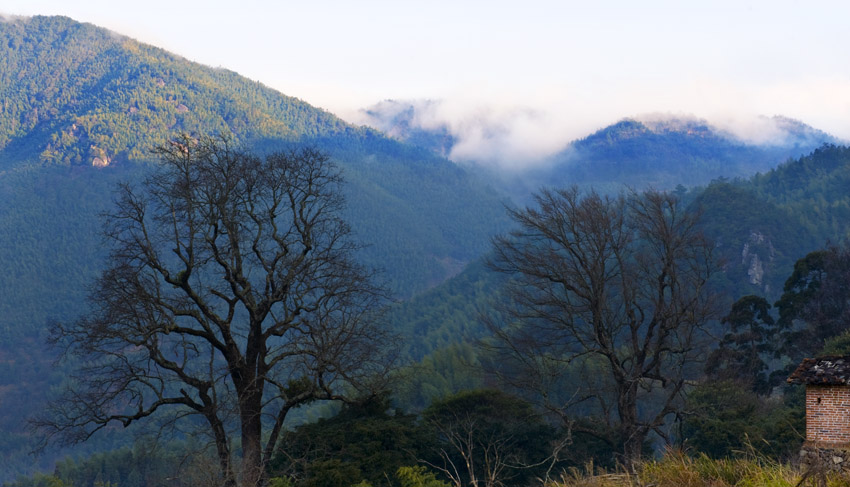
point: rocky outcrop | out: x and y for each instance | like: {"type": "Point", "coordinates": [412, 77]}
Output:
{"type": "Point", "coordinates": [99, 157]}
{"type": "Point", "coordinates": [757, 254]}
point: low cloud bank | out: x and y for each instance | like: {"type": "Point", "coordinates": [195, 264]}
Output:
{"type": "Point", "coordinates": [522, 137]}
{"type": "Point", "coordinates": [507, 137]}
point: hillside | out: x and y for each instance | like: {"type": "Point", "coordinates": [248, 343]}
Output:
{"type": "Point", "coordinates": [76, 95]}
{"type": "Point", "coordinates": [761, 226]}
{"type": "Point", "coordinates": [764, 224]}
{"type": "Point", "coordinates": [668, 152]}
{"type": "Point", "coordinates": [82, 108]}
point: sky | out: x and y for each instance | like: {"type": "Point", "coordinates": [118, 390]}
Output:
{"type": "Point", "coordinates": [547, 70]}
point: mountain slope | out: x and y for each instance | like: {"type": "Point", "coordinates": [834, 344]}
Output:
{"type": "Point", "coordinates": [764, 224]}
{"type": "Point", "coordinates": [73, 93]}
{"type": "Point", "coordinates": [760, 226]}
{"type": "Point", "coordinates": [667, 152]}
{"type": "Point", "coordinates": [80, 109]}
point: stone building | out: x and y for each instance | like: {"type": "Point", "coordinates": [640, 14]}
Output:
{"type": "Point", "coordinates": [827, 381]}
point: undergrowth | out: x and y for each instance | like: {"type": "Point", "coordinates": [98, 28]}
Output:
{"type": "Point", "coordinates": [676, 469]}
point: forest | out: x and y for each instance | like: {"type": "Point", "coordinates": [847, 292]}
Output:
{"type": "Point", "coordinates": [492, 395]}
{"type": "Point", "coordinates": [246, 290]}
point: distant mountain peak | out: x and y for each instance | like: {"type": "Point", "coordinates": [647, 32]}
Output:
{"type": "Point", "coordinates": [665, 150]}
{"type": "Point", "coordinates": [773, 131]}
{"type": "Point", "coordinates": [656, 131]}
{"type": "Point", "coordinates": [688, 125]}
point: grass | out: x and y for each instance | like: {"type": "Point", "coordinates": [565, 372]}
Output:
{"type": "Point", "coordinates": [676, 469]}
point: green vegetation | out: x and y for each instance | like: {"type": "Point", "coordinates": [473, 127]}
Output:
{"type": "Point", "coordinates": [676, 469]}
{"type": "Point", "coordinates": [677, 151]}
{"type": "Point", "coordinates": [489, 437]}
{"type": "Point", "coordinates": [724, 418]}
{"type": "Point", "coordinates": [363, 442]}
{"type": "Point", "coordinates": [813, 189]}
{"type": "Point", "coordinates": [74, 92]}
{"type": "Point", "coordinates": [764, 224]}
{"type": "Point", "coordinates": [73, 95]}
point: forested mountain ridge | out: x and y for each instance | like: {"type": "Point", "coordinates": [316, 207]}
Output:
{"type": "Point", "coordinates": [815, 186]}
{"type": "Point", "coordinates": [763, 224]}
{"type": "Point", "coordinates": [671, 151]}
{"type": "Point", "coordinates": [74, 93]}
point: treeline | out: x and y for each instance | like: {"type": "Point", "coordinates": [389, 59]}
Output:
{"type": "Point", "coordinates": [366, 443]}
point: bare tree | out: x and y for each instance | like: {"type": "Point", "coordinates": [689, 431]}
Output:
{"type": "Point", "coordinates": [603, 309]}
{"type": "Point", "coordinates": [231, 294]}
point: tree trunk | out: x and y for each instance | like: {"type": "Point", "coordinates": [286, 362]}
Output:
{"type": "Point", "coordinates": [633, 435]}
{"type": "Point", "coordinates": [253, 471]}
{"type": "Point", "coordinates": [222, 451]}
{"type": "Point", "coordinates": [633, 449]}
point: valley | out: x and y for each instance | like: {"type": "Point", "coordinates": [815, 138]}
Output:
{"type": "Point", "coordinates": [84, 108]}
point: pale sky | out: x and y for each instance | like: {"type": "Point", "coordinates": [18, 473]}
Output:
{"type": "Point", "coordinates": [576, 65]}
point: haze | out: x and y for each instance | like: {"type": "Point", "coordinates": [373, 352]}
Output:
{"type": "Point", "coordinates": [551, 70]}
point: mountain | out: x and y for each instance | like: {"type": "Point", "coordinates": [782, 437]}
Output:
{"type": "Point", "coordinates": [76, 96]}
{"type": "Point", "coordinates": [80, 110]}
{"type": "Point", "coordinates": [760, 226]}
{"type": "Point", "coordinates": [666, 152]}
{"type": "Point", "coordinates": [658, 151]}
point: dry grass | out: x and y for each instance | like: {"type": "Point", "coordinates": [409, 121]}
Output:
{"type": "Point", "coordinates": [679, 470]}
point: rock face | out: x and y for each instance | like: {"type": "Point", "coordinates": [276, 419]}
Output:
{"type": "Point", "coordinates": [757, 253]}
{"type": "Point", "coordinates": [99, 157]}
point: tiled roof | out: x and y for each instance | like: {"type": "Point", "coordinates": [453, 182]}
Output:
{"type": "Point", "coordinates": [828, 370]}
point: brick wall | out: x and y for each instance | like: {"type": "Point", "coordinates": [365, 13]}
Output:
{"type": "Point", "coordinates": [828, 414]}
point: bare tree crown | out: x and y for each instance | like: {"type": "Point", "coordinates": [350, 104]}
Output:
{"type": "Point", "coordinates": [605, 302]}
{"type": "Point", "coordinates": [230, 293]}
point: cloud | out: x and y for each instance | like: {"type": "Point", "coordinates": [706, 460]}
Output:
{"type": "Point", "coordinates": [9, 18]}
{"type": "Point", "coordinates": [499, 135]}
{"type": "Point", "coordinates": [759, 130]}
{"type": "Point", "coordinates": [513, 129]}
